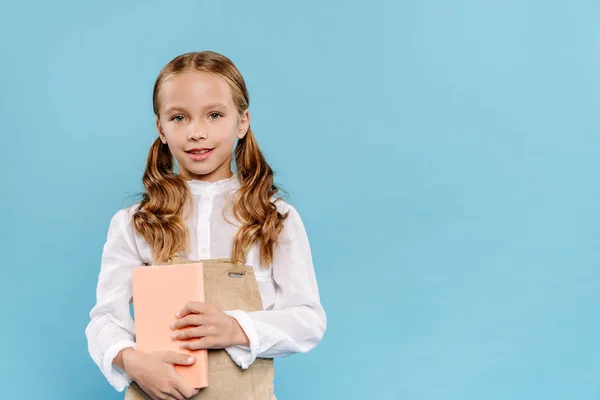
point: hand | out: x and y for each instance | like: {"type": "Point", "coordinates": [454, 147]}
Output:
{"type": "Point", "coordinates": [210, 327]}
{"type": "Point", "coordinates": [155, 374]}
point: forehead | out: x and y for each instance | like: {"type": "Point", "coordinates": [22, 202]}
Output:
{"type": "Point", "coordinates": [194, 89]}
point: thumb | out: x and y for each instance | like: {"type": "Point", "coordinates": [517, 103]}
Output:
{"type": "Point", "coordinates": [178, 358]}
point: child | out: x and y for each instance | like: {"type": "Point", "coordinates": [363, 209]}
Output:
{"type": "Point", "coordinates": [204, 211]}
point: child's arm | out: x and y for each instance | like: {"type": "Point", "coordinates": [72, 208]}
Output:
{"type": "Point", "coordinates": [111, 327]}
{"type": "Point", "coordinates": [297, 321]}
{"type": "Point", "coordinates": [110, 332]}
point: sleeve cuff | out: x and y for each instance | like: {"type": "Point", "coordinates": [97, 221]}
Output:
{"type": "Point", "coordinates": [244, 356]}
{"type": "Point", "coordinates": [117, 378]}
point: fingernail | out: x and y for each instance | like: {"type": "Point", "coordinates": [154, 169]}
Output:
{"type": "Point", "coordinates": [174, 336]}
{"type": "Point", "coordinates": [191, 359]}
{"type": "Point", "coordinates": [178, 315]}
{"type": "Point", "coordinates": [183, 346]}
{"type": "Point", "coordinates": [173, 325]}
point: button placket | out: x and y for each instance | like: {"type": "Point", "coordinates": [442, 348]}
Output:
{"type": "Point", "coordinates": [204, 211]}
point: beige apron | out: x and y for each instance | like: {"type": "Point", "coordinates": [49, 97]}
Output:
{"type": "Point", "coordinates": [229, 287]}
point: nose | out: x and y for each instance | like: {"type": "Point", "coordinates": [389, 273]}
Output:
{"type": "Point", "coordinates": [197, 132]}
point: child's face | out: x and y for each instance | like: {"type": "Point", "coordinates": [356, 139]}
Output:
{"type": "Point", "coordinates": [200, 123]}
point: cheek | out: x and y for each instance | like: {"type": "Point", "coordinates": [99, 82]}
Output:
{"type": "Point", "coordinates": [174, 135]}
{"type": "Point", "coordinates": [226, 135]}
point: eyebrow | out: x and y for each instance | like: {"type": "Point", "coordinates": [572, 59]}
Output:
{"type": "Point", "coordinates": [215, 105]}
{"type": "Point", "coordinates": [208, 106]}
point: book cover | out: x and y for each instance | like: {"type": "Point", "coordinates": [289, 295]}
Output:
{"type": "Point", "coordinates": [159, 292]}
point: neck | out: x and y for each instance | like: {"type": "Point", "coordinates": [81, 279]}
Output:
{"type": "Point", "coordinates": [222, 172]}
{"type": "Point", "coordinates": [209, 178]}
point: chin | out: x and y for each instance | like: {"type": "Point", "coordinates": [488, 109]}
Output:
{"type": "Point", "coordinates": [201, 172]}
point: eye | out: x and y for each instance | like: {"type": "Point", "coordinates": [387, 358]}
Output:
{"type": "Point", "coordinates": [214, 115]}
{"type": "Point", "coordinates": [178, 118]}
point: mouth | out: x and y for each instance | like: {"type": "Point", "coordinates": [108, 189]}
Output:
{"type": "Point", "coordinates": [198, 151]}
{"type": "Point", "coordinates": [199, 154]}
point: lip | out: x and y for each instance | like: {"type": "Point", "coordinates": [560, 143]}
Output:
{"type": "Point", "coordinates": [192, 153]}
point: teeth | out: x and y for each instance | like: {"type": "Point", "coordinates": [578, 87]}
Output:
{"type": "Point", "coordinates": [200, 152]}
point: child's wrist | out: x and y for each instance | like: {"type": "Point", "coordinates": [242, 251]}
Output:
{"type": "Point", "coordinates": [128, 356]}
{"type": "Point", "coordinates": [239, 336]}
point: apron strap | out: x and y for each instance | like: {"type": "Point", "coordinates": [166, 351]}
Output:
{"type": "Point", "coordinates": [237, 270]}
{"type": "Point", "coordinates": [176, 260]}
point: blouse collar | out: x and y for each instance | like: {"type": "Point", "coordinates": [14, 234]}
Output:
{"type": "Point", "coordinates": [204, 188]}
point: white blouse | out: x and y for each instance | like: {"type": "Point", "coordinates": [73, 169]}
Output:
{"type": "Point", "coordinates": [293, 319]}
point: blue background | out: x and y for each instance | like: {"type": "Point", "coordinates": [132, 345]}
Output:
{"type": "Point", "coordinates": [443, 156]}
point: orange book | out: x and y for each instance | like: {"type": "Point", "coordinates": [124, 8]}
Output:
{"type": "Point", "coordinates": [159, 292]}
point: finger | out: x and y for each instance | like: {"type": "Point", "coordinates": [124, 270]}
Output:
{"type": "Point", "coordinates": [192, 307]}
{"type": "Point", "coordinates": [176, 394]}
{"type": "Point", "coordinates": [160, 396]}
{"type": "Point", "coordinates": [178, 358]}
{"type": "Point", "coordinates": [153, 396]}
{"type": "Point", "coordinates": [202, 343]}
{"type": "Point", "coordinates": [192, 333]}
{"type": "Point", "coordinates": [189, 320]}
{"type": "Point", "coordinates": [169, 395]}
{"type": "Point", "coordinates": [183, 388]}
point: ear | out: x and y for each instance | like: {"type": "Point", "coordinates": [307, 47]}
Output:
{"type": "Point", "coordinates": [243, 124]}
{"type": "Point", "coordinates": [161, 134]}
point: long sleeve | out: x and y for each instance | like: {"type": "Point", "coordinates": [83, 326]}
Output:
{"type": "Point", "coordinates": [297, 322]}
{"type": "Point", "coordinates": [111, 326]}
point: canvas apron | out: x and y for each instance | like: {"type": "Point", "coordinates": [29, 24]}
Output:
{"type": "Point", "coordinates": [228, 287]}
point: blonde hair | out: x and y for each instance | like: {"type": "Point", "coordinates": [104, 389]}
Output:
{"type": "Point", "coordinates": [159, 217]}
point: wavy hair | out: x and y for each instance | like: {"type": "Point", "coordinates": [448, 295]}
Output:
{"type": "Point", "coordinates": [159, 217]}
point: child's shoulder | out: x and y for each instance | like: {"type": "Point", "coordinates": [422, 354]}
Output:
{"type": "Point", "coordinates": [283, 206]}
{"type": "Point", "coordinates": [125, 212]}
{"type": "Point", "coordinates": [121, 220]}
{"type": "Point", "coordinates": [293, 220]}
